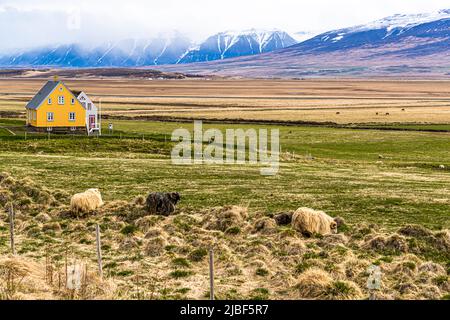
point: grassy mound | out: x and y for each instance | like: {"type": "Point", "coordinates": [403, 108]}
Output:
{"type": "Point", "coordinates": [154, 257]}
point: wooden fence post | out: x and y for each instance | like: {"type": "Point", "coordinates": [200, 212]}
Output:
{"type": "Point", "coordinates": [99, 252]}
{"type": "Point", "coordinates": [11, 228]}
{"type": "Point", "coordinates": [211, 274]}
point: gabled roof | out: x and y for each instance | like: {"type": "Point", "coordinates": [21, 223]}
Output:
{"type": "Point", "coordinates": [42, 95]}
{"type": "Point", "coordinates": [76, 93]}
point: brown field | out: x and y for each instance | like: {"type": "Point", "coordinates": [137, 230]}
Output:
{"type": "Point", "coordinates": [342, 102]}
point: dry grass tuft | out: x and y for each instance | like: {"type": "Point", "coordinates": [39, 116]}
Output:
{"type": "Point", "coordinates": [225, 218]}
{"type": "Point", "coordinates": [313, 284]}
{"type": "Point", "coordinates": [265, 225]}
{"type": "Point", "coordinates": [387, 244]}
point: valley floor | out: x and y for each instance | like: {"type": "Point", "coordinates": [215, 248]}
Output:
{"type": "Point", "coordinates": [379, 181]}
{"type": "Point", "coordinates": [334, 101]}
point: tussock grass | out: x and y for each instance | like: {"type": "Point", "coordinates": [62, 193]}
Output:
{"type": "Point", "coordinates": [162, 255]}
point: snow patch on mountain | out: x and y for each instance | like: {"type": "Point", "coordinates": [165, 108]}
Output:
{"type": "Point", "coordinates": [395, 22]}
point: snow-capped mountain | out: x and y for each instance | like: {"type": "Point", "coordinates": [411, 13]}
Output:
{"type": "Point", "coordinates": [172, 49]}
{"type": "Point", "coordinates": [124, 53]}
{"type": "Point", "coordinates": [391, 30]}
{"type": "Point", "coordinates": [234, 44]}
{"type": "Point", "coordinates": [408, 45]}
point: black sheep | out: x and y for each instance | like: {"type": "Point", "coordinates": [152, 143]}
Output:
{"type": "Point", "coordinates": [162, 203]}
{"type": "Point", "coordinates": [283, 219]}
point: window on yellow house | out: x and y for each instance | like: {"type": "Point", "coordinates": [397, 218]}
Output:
{"type": "Point", "coordinates": [72, 101]}
{"type": "Point", "coordinates": [71, 116]}
{"type": "Point", "coordinates": [61, 100]}
{"type": "Point", "coordinates": [49, 101]}
{"type": "Point", "coordinates": [50, 116]}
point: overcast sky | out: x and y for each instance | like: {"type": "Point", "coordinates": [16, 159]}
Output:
{"type": "Point", "coordinates": [27, 23]}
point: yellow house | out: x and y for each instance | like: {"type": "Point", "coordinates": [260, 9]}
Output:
{"type": "Point", "coordinates": [56, 108]}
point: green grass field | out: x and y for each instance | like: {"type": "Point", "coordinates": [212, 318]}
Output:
{"type": "Point", "coordinates": [388, 177]}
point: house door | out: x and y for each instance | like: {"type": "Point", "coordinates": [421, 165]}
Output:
{"type": "Point", "coordinates": [91, 121]}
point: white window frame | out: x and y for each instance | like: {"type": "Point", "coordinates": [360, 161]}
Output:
{"type": "Point", "coordinates": [50, 117]}
{"type": "Point", "coordinates": [72, 118]}
{"type": "Point", "coordinates": [61, 100]}
{"type": "Point", "coordinates": [89, 106]}
{"type": "Point", "coordinates": [49, 101]}
{"type": "Point", "coordinates": [72, 101]}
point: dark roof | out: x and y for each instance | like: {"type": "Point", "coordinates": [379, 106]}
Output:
{"type": "Point", "coordinates": [42, 95]}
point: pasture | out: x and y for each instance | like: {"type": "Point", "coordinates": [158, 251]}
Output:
{"type": "Point", "coordinates": [336, 101]}
{"type": "Point", "coordinates": [387, 177]}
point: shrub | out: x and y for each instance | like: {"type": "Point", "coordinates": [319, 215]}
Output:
{"type": "Point", "coordinates": [128, 230]}
{"type": "Point", "coordinates": [261, 272]}
{"type": "Point", "coordinates": [302, 266]}
{"type": "Point", "coordinates": [125, 273]}
{"type": "Point", "coordinates": [233, 230]}
{"type": "Point", "coordinates": [440, 280]}
{"type": "Point", "coordinates": [180, 274]}
{"type": "Point", "coordinates": [343, 290]}
{"type": "Point", "coordinates": [198, 255]}
{"type": "Point", "coordinates": [181, 262]}
{"type": "Point", "coordinates": [260, 294]}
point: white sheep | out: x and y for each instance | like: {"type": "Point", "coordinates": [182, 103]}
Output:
{"type": "Point", "coordinates": [308, 222]}
{"type": "Point", "coordinates": [87, 201]}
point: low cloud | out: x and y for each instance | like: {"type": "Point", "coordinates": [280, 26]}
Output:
{"type": "Point", "coordinates": [26, 23]}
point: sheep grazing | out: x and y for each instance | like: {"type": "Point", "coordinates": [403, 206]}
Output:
{"type": "Point", "coordinates": [162, 203]}
{"type": "Point", "coordinates": [308, 222]}
{"type": "Point", "coordinates": [283, 218]}
{"type": "Point", "coordinates": [87, 201]}
{"type": "Point", "coordinates": [442, 167]}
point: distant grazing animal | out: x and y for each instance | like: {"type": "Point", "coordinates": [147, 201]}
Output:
{"type": "Point", "coordinates": [338, 113]}
{"type": "Point", "coordinates": [442, 167]}
{"type": "Point", "coordinates": [308, 222]}
{"type": "Point", "coordinates": [403, 109]}
{"type": "Point", "coordinates": [283, 218]}
{"type": "Point", "coordinates": [162, 203]}
{"type": "Point", "coordinates": [87, 201]}
{"type": "Point", "coordinates": [377, 113]}
{"type": "Point", "coordinates": [387, 113]}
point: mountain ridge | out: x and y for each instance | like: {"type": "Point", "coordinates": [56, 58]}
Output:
{"type": "Point", "coordinates": [400, 45]}
{"type": "Point", "coordinates": [151, 52]}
